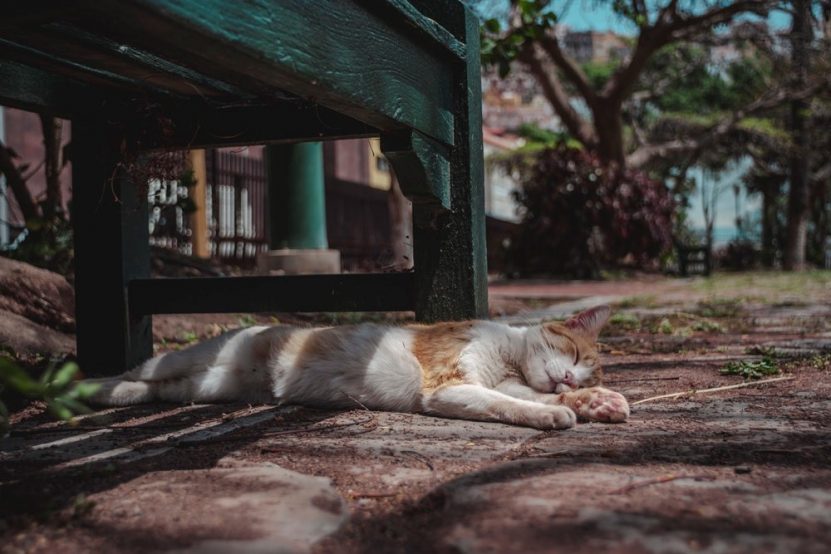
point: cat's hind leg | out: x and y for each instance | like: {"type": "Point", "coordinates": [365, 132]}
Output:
{"type": "Point", "coordinates": [483, 404]}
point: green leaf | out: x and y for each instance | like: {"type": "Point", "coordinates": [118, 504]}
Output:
{"type": "Point", "coordinates": [47, 375]}
{"type": "Point", "coordinates": [64, 376]}
{"type": "Point", "coordinates": [492, 25]}
{"type": "Point", "coordinates": [487, 46]}
{"type": "Point", "coordinates": [83, 390]}
{"type": "Point", "coordinates": [73, 405]}
{"type": "Point", "coordinates": [18, 379]}
{"type": "Point", "coordinates": [187, 205]}
{"type": "Point", "coordinates": [59, 410]}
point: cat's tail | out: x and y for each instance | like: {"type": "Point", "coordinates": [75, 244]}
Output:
{"type": "Point", "coordinates": [145, 382]}
{"type": "Point", "coordinates": [172, 376]}
{"type": "Point", "coordinates": [191, 360]}
{"type": "Point", "coordinates": [119, 391]}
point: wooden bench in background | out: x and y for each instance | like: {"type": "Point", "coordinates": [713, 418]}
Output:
{"type": "Point", "coordinates": [138, 76]}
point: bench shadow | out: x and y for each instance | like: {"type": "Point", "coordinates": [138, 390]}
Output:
{"type": "Point", "coordinates": [32, 487]}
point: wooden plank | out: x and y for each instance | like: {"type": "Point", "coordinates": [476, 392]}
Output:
{"type": "Point", "coordinates": [18, 16]}
{"type": "Point", "coordinates": [425, 24]}
{"type": "Point", "coordinates": [421, 165]}
{"type": "Point", "coordinates": [111, 247]}
{"type": "Point", "coordinates": [449, 13]}
{"type": "Point", "coordinates": [132, 62]}
{"type": "Point", "coordinates": [383, 75]}
{"type": "Point", "coordinates": [450, 247]}
{"type": "Point", "coordinates": [294, 293]}
{"type": "Point", "coordinates": [55, 64]}
{"type": "Point", "coordinates": [36, 90]}
{"type": "Point", "coordinates": [199, 125]}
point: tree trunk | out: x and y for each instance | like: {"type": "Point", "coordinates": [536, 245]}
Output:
{"type": "Point", "coordinates": [401, 226]}
{"type": "Point", "coordinates": [608, 125]}
{"type": "Point", "coordinates": [798, 208]}
{"type": "Point", "coordinates": [770, 192]}
{"type": "Point", "coordinates": [28, 208]}
{"type": "Point", "coordinates": [53, 165]}
{"type": "Point", "coordinates": [820, 224]}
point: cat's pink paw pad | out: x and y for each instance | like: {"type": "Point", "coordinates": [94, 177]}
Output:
{"type": "Point", "coordinates": [601, 405]}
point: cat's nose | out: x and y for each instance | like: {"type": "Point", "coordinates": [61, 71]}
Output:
{"type": "Point", "coordinates": [569, 379]}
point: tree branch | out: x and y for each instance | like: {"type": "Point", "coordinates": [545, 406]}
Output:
{"type": "Point", "coordinates": [624, 79]}
{"type": "Point", "coordinates": [556, 95]}
{"type": "Point", "coordinates": [28, 208]}
{"type": "Point", "coordinates": [671, 25]}
{"type": "Point", "coordinates": [52, 134]}
{"type": "Point", "coordinates": [647, 152]}
{"type": "Point", "coordinates": [697, 23]}
{"type": "Point", "coordinates": [570, 69]}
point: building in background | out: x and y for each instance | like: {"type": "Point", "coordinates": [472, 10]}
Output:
{"type": "Point", "coordinates": [596, 46]}
{"type": "Point", "coordinates": [516, 100]}
{"type": "Point", "coordinates": [499, 184]}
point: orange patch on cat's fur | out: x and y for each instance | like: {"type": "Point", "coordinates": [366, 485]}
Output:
{"type": "Point", "coordinates": [268, 344]}
{"type": "Point", "coordinates": [586, 348]}
{"type": "Point", "coordinates": [321, 342]}
{"type": "Point", "coordinates": [437, 348]}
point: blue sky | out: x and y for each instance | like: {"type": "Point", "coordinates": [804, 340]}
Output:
{"type": "Point", "coordinates": [583, 15]}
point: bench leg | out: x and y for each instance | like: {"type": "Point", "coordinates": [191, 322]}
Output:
{"type": "Point", "coordinates": [449, 246]}
{"type": "Point", "coordinates": [110, 221]}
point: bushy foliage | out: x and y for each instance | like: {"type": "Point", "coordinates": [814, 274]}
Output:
{"type": "Point", "coordinates": [45, 243]}
{"type": "Point", "coordinates": [56, 387]}
{"type": "Point", "coordinates": [579, 217]}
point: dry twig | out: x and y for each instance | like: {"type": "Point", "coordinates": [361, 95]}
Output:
{"type": "Point", "coordinates": [616, 381]}
{"type": "Point", "coordinates": [692, 392]}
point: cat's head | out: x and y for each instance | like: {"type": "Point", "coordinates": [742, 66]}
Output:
{"type": "Point", "coordinates": [561, 357]}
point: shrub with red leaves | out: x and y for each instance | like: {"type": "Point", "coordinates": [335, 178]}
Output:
{"type": "Point", "coordinates": [579, 217]}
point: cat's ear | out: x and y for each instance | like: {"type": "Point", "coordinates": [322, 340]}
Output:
{"type": "Point", "coordinates": [590, 322]}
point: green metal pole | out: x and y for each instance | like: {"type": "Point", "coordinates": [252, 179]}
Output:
{"type": "Point", "coordinates": [297, 209]}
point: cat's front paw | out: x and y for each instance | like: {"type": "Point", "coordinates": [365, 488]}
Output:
{"type": "Point", "coordinates": [552, 417]}
{"type": "Point", "coordinates": [598, 404]}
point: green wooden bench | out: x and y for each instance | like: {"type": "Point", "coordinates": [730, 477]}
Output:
{"type": "Point", "coordinates": [143, 75]}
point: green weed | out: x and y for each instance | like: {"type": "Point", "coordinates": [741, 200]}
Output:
{"type": "Point", "coordinates": [640, 301]}
{"type": "Point", "coordinates": [189, 337]}
{"type": "Point", "coordinates": [625, 322]}
{"type": "Point", "coordinates": [752, 370]}
{"type": "Point", "coordinates": [247, 320]}
{"type": "Point", "coordinates": [720, 307]}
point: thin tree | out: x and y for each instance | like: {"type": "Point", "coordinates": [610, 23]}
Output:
{"type": "Point", "coordinates": [798, 207]}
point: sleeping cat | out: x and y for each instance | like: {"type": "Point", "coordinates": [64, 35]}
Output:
{"type": "Point", "coordinates": [534, 376]}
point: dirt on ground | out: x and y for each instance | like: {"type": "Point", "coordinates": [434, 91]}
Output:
{"type": "Point", "coordinates": [744, 469]}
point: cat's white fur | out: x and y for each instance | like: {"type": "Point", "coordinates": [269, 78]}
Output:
{"type": "Point", "coordinates": [501, 373]}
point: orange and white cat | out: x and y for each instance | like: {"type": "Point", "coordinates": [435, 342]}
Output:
{"type": "Point", "coordinates": [543, 376]}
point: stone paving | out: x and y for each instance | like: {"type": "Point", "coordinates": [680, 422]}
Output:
{"type": "Point", "coordinates": [741, 470]}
